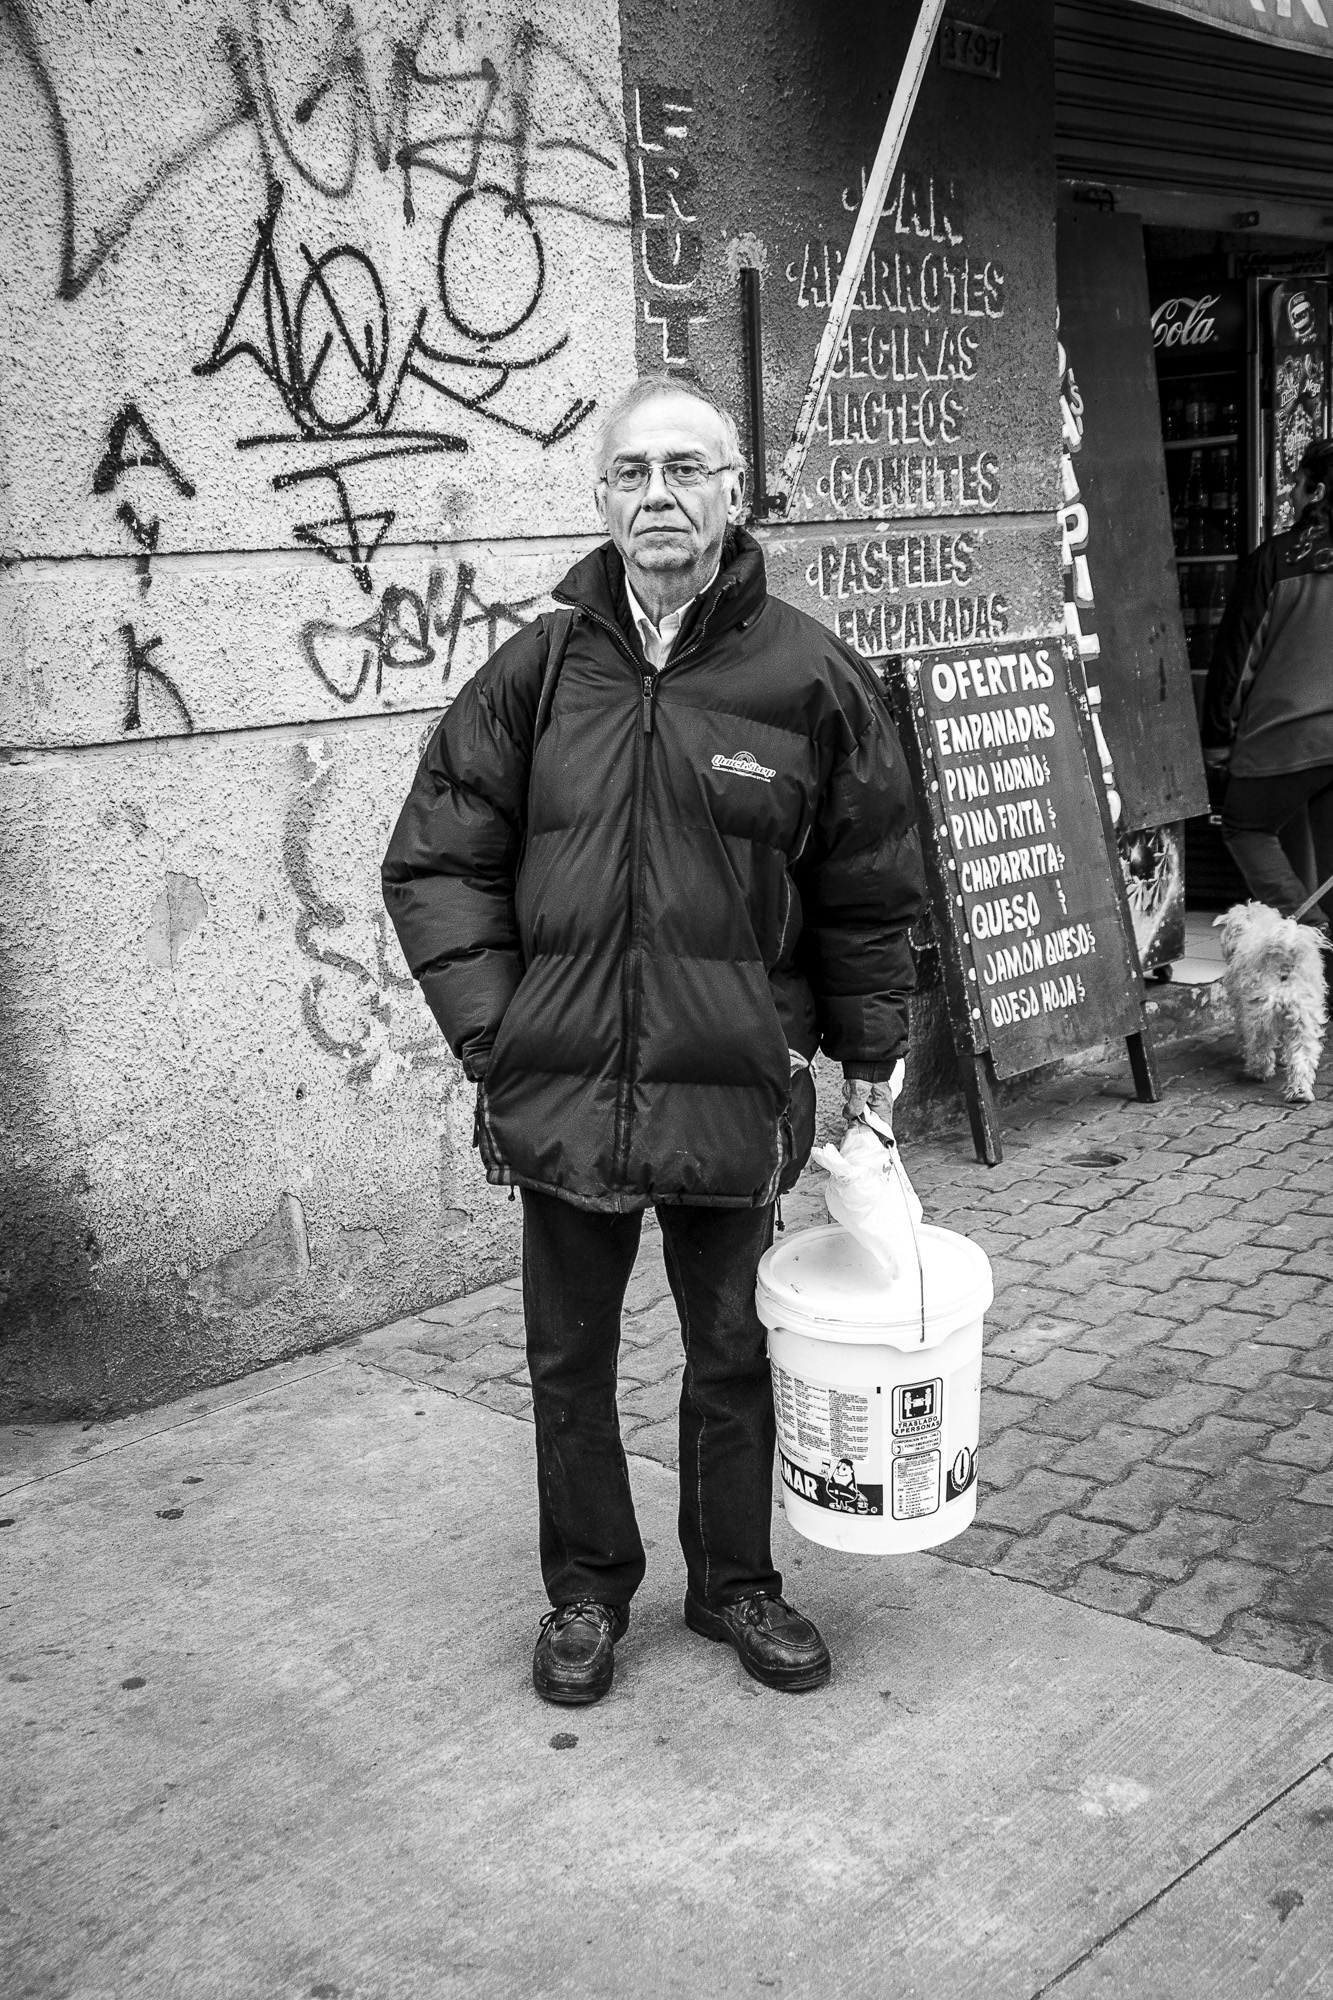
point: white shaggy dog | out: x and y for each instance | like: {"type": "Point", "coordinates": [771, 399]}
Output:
{"type": "Point", "coordinates": [1274, 980]}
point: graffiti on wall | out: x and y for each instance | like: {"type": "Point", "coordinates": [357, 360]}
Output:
{"type": "Point", "coordinates": [358, 1003]}
{"type": "Point", "coordinates": [142, 666]}
{"type": "Point", "coordinates": [336, 287]}
{"type": "Point", "coordinates": [400, 637]}
{"type": "Point", "coordinates": [133, 446]}
{"type": "Point", "coordinates": [425, 183]}
{"type": "Point", "coordinates": [373, 360]}
{"type": "Point", "coordinates": [330, 88]}
{"type": "Point", "coordinates": [330, 352]}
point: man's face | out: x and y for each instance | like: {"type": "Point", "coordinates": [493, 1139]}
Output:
{"type": "Point", "coordinates": [659, 529]}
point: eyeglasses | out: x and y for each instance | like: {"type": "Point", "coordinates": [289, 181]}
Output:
{"type": "Point", "coordinates": [631, 475]}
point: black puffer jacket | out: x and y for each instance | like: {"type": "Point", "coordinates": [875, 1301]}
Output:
{"type": "Point", "coordinates": [624, 933]}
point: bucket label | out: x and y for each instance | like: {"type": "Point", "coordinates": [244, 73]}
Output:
{"type": "Point", "coordinates": [918, 1430]}
{"type": "Point", "coordinates": [831, 1443]}
{"type": "Point", "coordinates": [961, 1474]}
{"type": "Point", "coordinates": [916, 1485]}
{"type": "Point", "coordinates": [918, 1409]}
{"type": "Point", "coordinates": [838, 1489]}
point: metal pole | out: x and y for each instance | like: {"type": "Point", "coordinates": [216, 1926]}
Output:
{"type": "Point", "coordinates": [752, 328]}
{"type": "Point", "coordinates": [783, 490]}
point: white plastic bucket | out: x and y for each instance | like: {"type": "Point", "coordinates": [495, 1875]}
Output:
{"type": "Point", "coordinates": [876, 1387]}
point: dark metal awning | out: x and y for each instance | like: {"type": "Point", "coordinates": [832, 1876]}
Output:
{"type": "Point", "coordinates": [1146, 98]}
{"type": "Point", "coordinates": [1302, 25]}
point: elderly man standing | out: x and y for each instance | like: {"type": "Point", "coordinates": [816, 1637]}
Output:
{"type": "Point", "coordinates": [659, 850]}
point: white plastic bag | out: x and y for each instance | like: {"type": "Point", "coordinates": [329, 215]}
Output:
{"type": "Point", "coordinates": [868, 1192]}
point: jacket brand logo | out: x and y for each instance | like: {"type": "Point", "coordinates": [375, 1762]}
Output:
{"type": "Point", "coordinates": [744, 765]}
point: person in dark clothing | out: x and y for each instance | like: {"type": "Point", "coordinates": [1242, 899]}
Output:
{"type": "Point", "coordinates": [1268, 706]}
{"type": "Point", "coordinates": [661, 848]}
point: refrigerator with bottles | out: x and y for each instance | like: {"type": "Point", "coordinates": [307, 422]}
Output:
{"type": "Point", "coordinates": [1242, 375]}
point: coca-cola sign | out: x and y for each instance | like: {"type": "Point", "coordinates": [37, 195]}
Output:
{"type": "Point", "coordinates": [1186, 322]}
{"type": "Point", "coordinates": [1194, 313]}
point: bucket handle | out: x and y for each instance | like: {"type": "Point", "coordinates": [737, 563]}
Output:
{"type": "Point", "coordinates": [911, 1223]}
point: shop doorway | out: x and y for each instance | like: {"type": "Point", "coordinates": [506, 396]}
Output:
{"type": "Point", "coordinates": [1219, 148]}
{"type": "Point", "coordinates": [1241, 345]}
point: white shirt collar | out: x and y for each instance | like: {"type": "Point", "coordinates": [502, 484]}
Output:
{"type": "Point", "coordinates": [657, 640]}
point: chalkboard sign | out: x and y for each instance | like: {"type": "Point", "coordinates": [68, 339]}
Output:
{"type": "Point", "coordinates": [1037, 947]}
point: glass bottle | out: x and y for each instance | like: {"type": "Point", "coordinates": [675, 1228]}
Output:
{"type": "Point", "coordinates": [1189, 609]}
{"type": "Point", "coordinates": [1193, 411]}
{"type": "Point", "coordinates": [1219, 482]}
{"type": "Point", "coordinates": [1229, 418]}
{"type": "Point", "coordinates": [1217, 604]}
{"type": "Point", "coordinates": [1195, 503]}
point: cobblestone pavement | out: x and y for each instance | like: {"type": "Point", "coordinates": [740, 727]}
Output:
{"type": "Point", "coordinates": [1157, 1407]}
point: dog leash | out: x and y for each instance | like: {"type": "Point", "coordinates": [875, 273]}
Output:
{"type": "Point", "coordinates": [1310, 901]}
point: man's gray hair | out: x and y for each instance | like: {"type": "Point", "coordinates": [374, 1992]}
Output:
{"type": "Point", "coordinates": [643, 391]}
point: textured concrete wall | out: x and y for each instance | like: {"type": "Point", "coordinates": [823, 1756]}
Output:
{"type": "Point", "coordinates": [308, 309]}
{"type": "Point", "coordinates": [234, 1121]}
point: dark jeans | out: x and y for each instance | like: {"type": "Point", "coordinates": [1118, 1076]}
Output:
{"type": "Point", "coordinates": [1254, 813]}
{"type": "Point", "coordinates": [576, 1266]}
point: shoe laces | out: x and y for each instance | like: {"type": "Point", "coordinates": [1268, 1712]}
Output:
{"type": "Point", "coordinates": [583, 1607]}
{"type": "Point", "coordinates": [750, 1607]}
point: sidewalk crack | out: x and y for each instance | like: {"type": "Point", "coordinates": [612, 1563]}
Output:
{"type": "Point", "coordinates": [1107, 1937]}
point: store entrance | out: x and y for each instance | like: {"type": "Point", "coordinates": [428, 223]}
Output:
{"type": "Point", "coordinates": [1240, 341]}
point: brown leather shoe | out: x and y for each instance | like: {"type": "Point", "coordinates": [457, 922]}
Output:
{"type": "Point", "coordinates": [575, 1656]}
{"type": "Point", "coordinates": [774, 1643]}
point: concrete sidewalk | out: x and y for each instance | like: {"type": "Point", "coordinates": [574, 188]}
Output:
{"type": "Point", "coordinates": [267, 1726]}
{"type": "Point", "coordinates": [269, 1731]}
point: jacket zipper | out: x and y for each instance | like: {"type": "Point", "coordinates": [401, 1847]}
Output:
{"type": "Point", "coordinates": [630, 994]}
{"type": "Point", "coordinates": [634, 958]}
{"type": "Point", "coordinates": [788, 895]}
{"type": "Point", "coordinates": [484, 1139]}
{"type": "Point", "coordinates": [786, 914]}
{"type": "Point", "coordinates": [632, 990]}
{"type": "Point", "coordinates": [786, 1153]}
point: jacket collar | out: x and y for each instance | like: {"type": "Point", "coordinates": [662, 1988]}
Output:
{"type": "Point", "coordinates": [736, 594]}
{"type": "Point", "coordinates": [1307, 542]}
